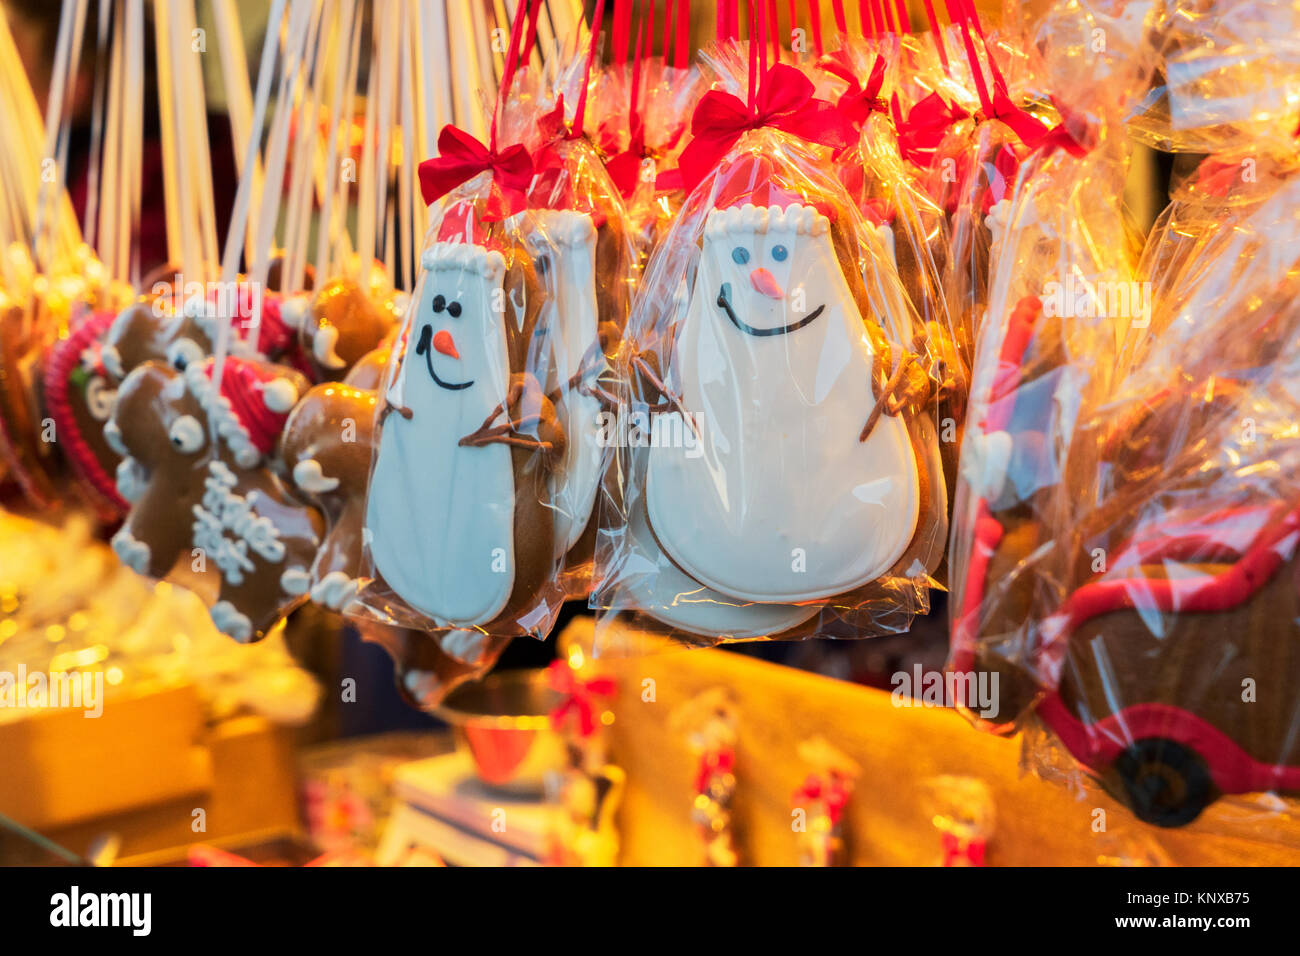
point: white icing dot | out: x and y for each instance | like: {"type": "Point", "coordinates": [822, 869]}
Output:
{"type": "Point", "coordinates": [113, 436]}
{"type": "Point", "coordinates": [308, 476]}
{"type": "Point", "coordinates": [186, 434]}
{"type": "Point", "coordinates": [295, 581]}
{"type": "Point", "coordinates": [131, 551]}
{"type": "Point", "coordinates": [280, 395]}
{"type": "Point", "coordinates": [130, 479]}
{"type": "Point", "coordinates": [231, 622]}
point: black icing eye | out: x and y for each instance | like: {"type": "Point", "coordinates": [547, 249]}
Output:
{"type": "Point", "coordinates": [439, 303]}
{"type": "Point", "coordinates": [740, 255]}
{"type": "Point", "coordinates": [454, 310]}
{"type": "Point", "coordinates": [779, 253]}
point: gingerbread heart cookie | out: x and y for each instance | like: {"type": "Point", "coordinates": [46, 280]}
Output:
{"type": "Point", "coordinates": [24, 440]}
{"type": "Point", "coordinates": [205, 503]}
{"type": "Point", "coordinates": [79, 397]}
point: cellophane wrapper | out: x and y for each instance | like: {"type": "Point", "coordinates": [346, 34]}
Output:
{"type": "Point", "coordinates": [1225, 78]}
{"type": "Point", "coordinates": [769, 320]}
{"type": "Point", "coordinates": [461, 537]}
{"type": "Point", "coordinates": [1168, 660]}
{"type": "Point", "coordinates": [1127, 516]}
{"type": "Point", "coordinates": [667, 97]}
{"type": "Point", "coordinates": [1044, 350]}
{"type": "Point", "coordinates": [916, 229]}
{"type": "Point", "coordinates": [583, 245]}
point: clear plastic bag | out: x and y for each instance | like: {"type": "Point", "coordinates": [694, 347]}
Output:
{"type": "Point", "coordinates": [1129, 517]}
{"type": "Point", "coordinates": [1166, 662]}
{"type": "Point", "coordinates": [459, 530]}
{"type": "Point", "coordinates": [779, 465]}
{"type": "Point", "coordinates": [582, 242]}
{"type": "Point", "coordinates": [1225, 80]}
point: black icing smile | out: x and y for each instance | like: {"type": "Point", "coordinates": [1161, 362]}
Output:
{"type": "Point", "coordinates": [422, 348]}
{"type": "Point", "coordinates": [724, 303]}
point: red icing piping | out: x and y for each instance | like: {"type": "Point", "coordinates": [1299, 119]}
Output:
{"type": "Point", "coordinates": [243, 387]}
{"type": "Point", "coordinates": [63, 359]}
{"type": "Point", "coordinates": [1097, 745]}
{"type": "Point", "coordinates": [1201, 594]}
{"type": "Point", "coordinates": [988, 531]}
{"type": "Point", "coordinates": [988, 535]}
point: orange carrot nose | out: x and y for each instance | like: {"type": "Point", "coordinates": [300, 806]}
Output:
{"type": "Point", "coordinates": [442, 341]}
{"type": "Point", "coordinates": [766, 283]}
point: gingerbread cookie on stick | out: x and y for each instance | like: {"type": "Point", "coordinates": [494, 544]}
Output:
{"type": "Point", "coordinates": [327, 447]}
{"type": "Point", "coordinates": [809, 476]}
{"type": "Point", "coordinates": [205, 504]}
{"type": "Point", "coordinates": [341, 323]}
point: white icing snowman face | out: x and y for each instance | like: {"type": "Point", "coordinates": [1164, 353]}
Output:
{"type": "Point", "coordinates": [456, 340]}
{"type": "Point", "coordinates": [762, 259]}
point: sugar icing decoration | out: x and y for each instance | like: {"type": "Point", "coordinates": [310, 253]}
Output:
{"type": "Point", "coordinates": [227, 527]}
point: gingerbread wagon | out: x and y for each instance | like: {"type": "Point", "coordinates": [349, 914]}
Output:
{"type": "Point", "coordinates": [1170, 671]}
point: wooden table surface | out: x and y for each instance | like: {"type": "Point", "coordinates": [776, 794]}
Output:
{"type": "Point", "coordinates": [900, 751]}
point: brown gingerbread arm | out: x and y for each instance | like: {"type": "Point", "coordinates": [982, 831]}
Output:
{"type": "Point", "coordinates": [530, 421]}
{"type": "Point", "coordinates": [389, 408]}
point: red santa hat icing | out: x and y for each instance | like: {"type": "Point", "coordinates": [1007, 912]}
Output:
{"type": "Point", "coordinates": [461, 223]}
{"type": "Point", "coordinates": [751, 179]}
{"type": "Point", "coordinates": [248, 407]}
{"type": "Point", "coordinates": [274, 335]}
{"type": "Point", "coordinates": [464, 243]}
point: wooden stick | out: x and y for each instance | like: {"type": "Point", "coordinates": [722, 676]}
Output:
{"type": "Point", "coordinates": [243, 195]}
{"type": "Point", "coordinates": [176, 250]}
{"type": "Point", "coordinates": [350, 30]}
{"type": "Point", "coordinates": [239, 98]}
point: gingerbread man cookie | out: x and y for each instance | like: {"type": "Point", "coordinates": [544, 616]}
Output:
{"type": "Point", "coordinates": [204, 501]}
{"type": "Point", "coordinates": [154, 329]}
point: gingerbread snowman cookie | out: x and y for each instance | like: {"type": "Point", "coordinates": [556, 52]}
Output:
{"type": "Point", "coordinates": [205, 504]}
{"type": "Point", "coordinates": [458, 513]}
{"type": "Point", "coordinates": [809, 476]}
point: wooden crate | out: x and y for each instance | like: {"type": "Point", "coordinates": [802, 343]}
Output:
{"type": "Point", "coordinates": [140, 771]}
{"type": "Point", "coordinates": [899, 751]}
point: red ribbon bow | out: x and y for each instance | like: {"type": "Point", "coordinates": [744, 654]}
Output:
{"type": "Point", "coordinates": [1023, 124]}
{"type": "Point", "coordinates": [1001, 173]}
{"type": "Point", "coordinates": [784, 101]}
{"type": "Point", "coordinates": [579, 697]}
{"type": "Point", "coordinates": [924, 127]}
{"type": "Point", "coordinates": [461, 157]}
{"type": "Point", "coordinates": [625, 167]}
{"type": "Point", "coordinates": [713, 763]}
{"type": "Point", "coordinates": [858, 102]}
